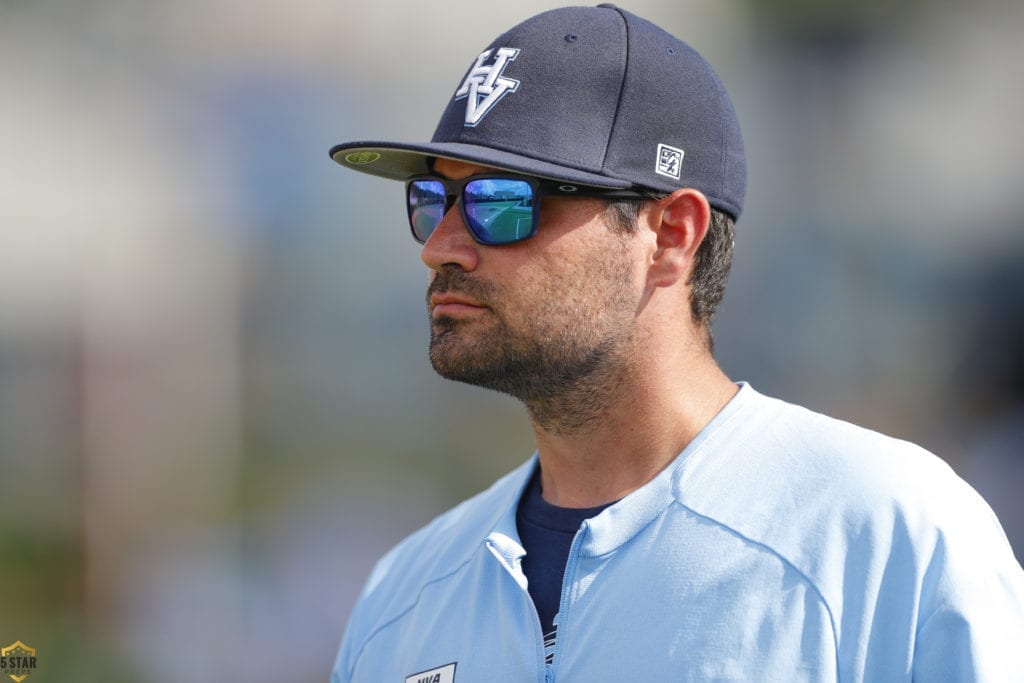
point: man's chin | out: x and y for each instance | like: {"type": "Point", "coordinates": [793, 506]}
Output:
{"type": "Point", "coordinates": [449, 361]}
{"type": "Point", "coordinates": [460, 373]}
{"type": "Point", "coordinates": [452, 360]}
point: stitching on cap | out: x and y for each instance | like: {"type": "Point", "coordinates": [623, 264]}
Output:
{"type": "Point", "coordinates": [622, 88]}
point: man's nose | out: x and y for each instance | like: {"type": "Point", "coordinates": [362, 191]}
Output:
{"type": "Point", "coordinates": [451, 244]}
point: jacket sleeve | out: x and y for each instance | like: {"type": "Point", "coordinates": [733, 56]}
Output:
{"type": "Point", "coordinates": [365, 615]}
{"type": "Point", "coordinates": [971, 625]}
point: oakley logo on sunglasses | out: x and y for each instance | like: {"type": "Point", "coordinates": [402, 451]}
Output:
{"type": "Point", "coordinates": [485, 86]}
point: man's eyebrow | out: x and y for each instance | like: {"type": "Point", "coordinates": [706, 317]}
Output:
{"type": "Point", "coordinates": [488, 171]}
{"type": "Point", "coordinates": [433, 171]}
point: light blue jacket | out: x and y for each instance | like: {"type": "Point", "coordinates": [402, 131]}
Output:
{"type": "Point", "coordinates": [781, 545]}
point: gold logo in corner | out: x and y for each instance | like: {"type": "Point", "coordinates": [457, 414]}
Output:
{"type": "Point", "coordinates": [17, 660]}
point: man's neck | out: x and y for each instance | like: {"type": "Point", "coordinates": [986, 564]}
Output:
{"type": "Point", "coordinates": [640, 430]}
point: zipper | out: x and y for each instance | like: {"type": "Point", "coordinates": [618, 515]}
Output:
{"type": "Point", "coordinates": [563, 603]}
{"type": "Point", "coordinates": [545, 674]}
{"type": "Point", "coordinates": [538, 636]}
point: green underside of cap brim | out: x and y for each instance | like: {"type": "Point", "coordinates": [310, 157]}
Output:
{"type": "Point", "coordinates": [401, 161]}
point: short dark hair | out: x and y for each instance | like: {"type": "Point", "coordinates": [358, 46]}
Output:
{"type": "Point", "coordinates": [711, 263]}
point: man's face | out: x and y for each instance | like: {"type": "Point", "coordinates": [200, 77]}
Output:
{"type": "Point", "coordinates": [538, 318]}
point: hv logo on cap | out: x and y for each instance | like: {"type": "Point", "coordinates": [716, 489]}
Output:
{"type": "Point", "coordinates": [485, 86]}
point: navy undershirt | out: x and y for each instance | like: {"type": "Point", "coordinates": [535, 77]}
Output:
{"type": "Point", "coordinates": [547, 532]}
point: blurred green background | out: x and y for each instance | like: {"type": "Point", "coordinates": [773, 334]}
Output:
{"type": "Point", "coordinates": [215, 405]}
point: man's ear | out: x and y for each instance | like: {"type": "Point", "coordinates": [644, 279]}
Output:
{"type": "Point", "coordinates": [679, 222]}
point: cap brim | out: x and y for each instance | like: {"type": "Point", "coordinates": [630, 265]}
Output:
{"type": "Point", "coordinates": [400, 161]}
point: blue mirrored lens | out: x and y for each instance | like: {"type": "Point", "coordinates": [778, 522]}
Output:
{"type": "Point", "coordinates": [426, 207]}
{"type": "Point", "coordinates": [499, 210]}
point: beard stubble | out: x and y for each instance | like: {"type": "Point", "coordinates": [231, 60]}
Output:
{"type": "Point", "coordinates": [561, 349]}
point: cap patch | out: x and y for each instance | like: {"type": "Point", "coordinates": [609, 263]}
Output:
{"type": "Point", "coordinates": [359, 158]}
{"type": "Point", "coordinates": [670, 161]}
{"type": "Point", "coordinates": [485, 86]}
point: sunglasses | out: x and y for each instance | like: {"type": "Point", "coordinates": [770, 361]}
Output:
{"type": "Point", "coordinates": [497, 208]}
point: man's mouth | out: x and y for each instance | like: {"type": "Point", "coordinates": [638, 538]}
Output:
{"type": "Point", "coordinates": [454, 305]}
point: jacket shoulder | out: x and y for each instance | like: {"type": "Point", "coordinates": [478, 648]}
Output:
{"type": "Point", "coordinates": [864, 517]}
{"type": "Point", "coordinates": [434, 552]}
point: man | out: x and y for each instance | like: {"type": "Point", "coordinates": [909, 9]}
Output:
{"type": "Point", "coordinates": [576, 210]}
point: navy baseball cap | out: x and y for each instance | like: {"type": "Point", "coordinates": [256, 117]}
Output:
{"type": "Point", "coordinates": [589, 95]}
